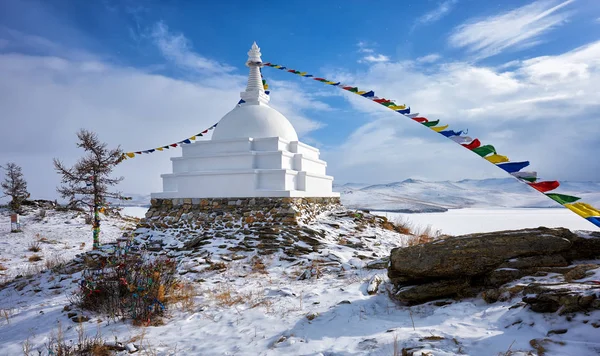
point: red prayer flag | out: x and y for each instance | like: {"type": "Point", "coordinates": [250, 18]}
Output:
{"type": "Point", "coordinates": [320, 79]}
{"type": "Point", "coordinates": [420, 119]}
{"type": "Point", "coordinates": [473, 145]}
{"type": "Point", "coordinates": [291, 71]}
{"type": "Point", "coordinates": [205, 131]}
{"type": "Point", "coordinates": [381, 100]}
{"type": "Point", "coordinates": [174, 145]}
{"type": "Point", "coordinates": [545, 186]}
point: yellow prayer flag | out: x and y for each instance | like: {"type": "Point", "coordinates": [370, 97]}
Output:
{"type": "Point", "coordinates": [439, 128]}
{"type": "Point", "coordinates": [303, 74]}
{"type": "Point", "coordinates": [130, 154]}
{"type": "Point", "coordinates": [360, 92]}
{"type": "Point", "coordinates": [159, 148]}
{"type": "Point", "coordinates": [193, 138]}
{"type": "Point", "coordinates": [266, 86]}
{"type": "Point", "coordinates": [278, 66]}
{"type": "Point", "coordinates": [397, 107]}
{"type": "Point", "coordinates": [495, 158]}
{"type": "Point", "coordinates": [582, 209]}
{"type": "Point", "coordinates": [329, 82]}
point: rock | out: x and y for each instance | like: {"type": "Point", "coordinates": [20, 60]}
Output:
{"type": "Point", "coordinates": [579, 272]}
{"type": "Point", "coordinates": [557, 331]}
{"type": "Point", "coordinates": [475, 254]}
{"type": "Point", "coordinates": [373, 285]}
{"type": "Point", "coordinates": [368, 344]}
{"type": "Point", "coordinates": [491, 295]}
{"type": "Point", "coordinates": [421, 293]}
{"type": "Point", "coordinates": [344, 302]}
{"type": "Point", "coordinates": [311, 316]}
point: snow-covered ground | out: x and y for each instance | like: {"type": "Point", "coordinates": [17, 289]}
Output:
{"type": "Point", "coordinates": [58, 235]}
{"type": "Point", "coordinates": [275, 313]}
{"type": "Point", "coordinates": [472, 220]}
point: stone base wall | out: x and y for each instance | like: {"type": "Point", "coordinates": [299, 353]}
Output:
{"type": "Point", "coordinates": [236, 212]}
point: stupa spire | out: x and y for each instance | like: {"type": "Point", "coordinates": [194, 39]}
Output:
{"type": "Point", "coordinates": [255, 93]}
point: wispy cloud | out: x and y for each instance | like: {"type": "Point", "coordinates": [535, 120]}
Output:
{"type": "Point", "coordinates": [436, 14]}
{"type": "Point", "coordinates": [369, 55]}
{"type": "Point", "coordinates": [177, 48]}
{"type": "Point", "coordinates": [516, 29]}
{"type": "Point", "coordinates": [537, 97]}
{"type": "Point", "coordinates": [430, 58]}
{"type": "Point", "coordinates": [376, 58]}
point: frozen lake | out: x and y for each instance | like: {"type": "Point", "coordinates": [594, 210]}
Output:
{"type": "Point", "coordinates": [467, 221]}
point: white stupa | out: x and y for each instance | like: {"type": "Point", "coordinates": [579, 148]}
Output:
{"type": "Point", "coordinates": [254, 152]}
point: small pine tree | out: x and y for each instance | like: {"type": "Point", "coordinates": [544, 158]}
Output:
{"type": "Point", "coordinates": [87, 183]}
{"type": "Point", "coordinates": [14, 186]}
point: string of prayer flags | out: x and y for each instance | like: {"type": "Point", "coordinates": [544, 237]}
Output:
{"type": "Point", "coordinates": [369, 94]}
{"type": "Point", "coordinates": [486, 151]}
{"type": "Point", "coordinates": [186, 141]}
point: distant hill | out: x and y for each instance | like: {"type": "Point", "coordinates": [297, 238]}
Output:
{"type": "Point", "coordinates": [414, 195]}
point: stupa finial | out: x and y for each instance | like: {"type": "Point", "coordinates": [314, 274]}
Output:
{"type": "Point", "coordinates": [254, 54]}
{"type": "Point", "coordinates": [255, 92]}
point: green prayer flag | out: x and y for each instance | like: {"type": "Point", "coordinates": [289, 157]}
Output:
{"type": "Point", "coordinates": [353, 90]}
{"type": "Point", "coordinates": [388, 103]}
{"type": "Point", "coordinates": [431, 123]}
{"type": "Point", "coordinates": [484, 150]}
{"type": "Point", "coordinates": [562, 199]}
{"type": "Point", "coordinates": [529, 179]}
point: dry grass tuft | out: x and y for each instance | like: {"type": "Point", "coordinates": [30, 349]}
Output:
{"type": "Point", "coordinates": [34, 258]}
{"type": "Point", "coordinates": [184, 295]}
{"type": "Point", "coordinates": [34, 246]}
{"type": "Point", "coordinates": [258, 265]}
{"type": "Point", "coordinates": [3, 267]}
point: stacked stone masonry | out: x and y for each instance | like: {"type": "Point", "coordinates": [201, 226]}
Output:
{"type": "Point", "coordinates": [237, 212]}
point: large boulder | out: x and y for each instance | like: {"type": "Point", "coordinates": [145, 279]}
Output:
{"type": "Point", "coordinates": [465, 265]}
{"type": "Point", "coordinates": [475, 254]}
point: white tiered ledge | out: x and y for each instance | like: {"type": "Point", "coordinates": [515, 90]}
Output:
{"type": "Point", "coordinates": [254, 152]}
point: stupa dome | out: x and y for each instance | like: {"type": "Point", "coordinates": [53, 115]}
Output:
{"type": "Point", "coordinates": [256, 121]}
{"type": "Point", "coordinates": [252, 117]}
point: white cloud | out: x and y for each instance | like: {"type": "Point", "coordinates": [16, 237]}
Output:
{"type": "Point", "coordinates": [375, 58]}
{"type": "Point", "coordinates": [543, 109]}
{"type": "Point", "coordinates": [369, 54]}
{"type": "Point", "coordinates": [430, 58]}
{"type": "Point", "coordinates": [46, 99]}
{"type": "Point", "coordinates": [177, 48]}
{"type": "Point", "coordinates": [516, 29]}
{"type": "Point", "coordinates": [436, 14]}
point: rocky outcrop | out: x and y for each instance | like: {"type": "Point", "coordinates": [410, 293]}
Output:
{"type": "Point", "coordinates": [467, 265]}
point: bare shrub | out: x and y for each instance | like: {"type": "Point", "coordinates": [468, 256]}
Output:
{"type": "Point", "coordinates": [184, 295]}
{"type": "Point", "coordinates": [126, 285]}
{"type": "Point", "coordinates": [34, 246]}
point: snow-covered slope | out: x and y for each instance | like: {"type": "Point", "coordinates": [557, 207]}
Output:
{"type": "Point", "coordinates": [413, 195]}
{"type": "Point", "coordinates": [240, 311]}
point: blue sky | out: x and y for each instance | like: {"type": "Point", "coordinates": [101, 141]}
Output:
{"type": "Point", "coordinates": [522, 75]}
